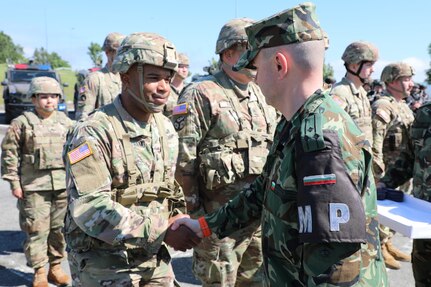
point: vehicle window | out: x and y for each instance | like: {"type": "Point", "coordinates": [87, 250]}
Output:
{"type": "Point", "coordinates": [26, 76]}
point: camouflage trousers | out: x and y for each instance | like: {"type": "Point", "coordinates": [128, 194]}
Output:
{"type": "Point", "coordinates": [119, 268]}
{"type": "Point", "coordinates": [232, 261]}
{"type": "Point", "coordinates": [41, 218]}
{"type": "Point", "coordinates": [421, 262]}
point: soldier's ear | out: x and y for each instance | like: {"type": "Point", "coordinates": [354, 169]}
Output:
{"type": "Point", "coordinates": [282, 64]}
{"type": "Point", "coordinates": [125, 80]}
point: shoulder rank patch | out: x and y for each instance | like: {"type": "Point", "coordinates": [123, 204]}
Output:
{"type": "Point", "coordinates": [79, 153]}
{"type": "Point", "coordinates": [181, 109]}
{"type": "Point", "coordinates": [384, 115]}
{"type": "Point", "coordinates": [320, 179]}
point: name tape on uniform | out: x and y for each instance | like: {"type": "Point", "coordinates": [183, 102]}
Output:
{"type": "Point", "coordinates": [79, 153]}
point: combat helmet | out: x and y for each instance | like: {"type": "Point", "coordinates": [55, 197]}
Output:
{"type": "Point", "coordinates": [44, 85]}
{"type": "Point", "coordinates": [112, 41]}
{"type": "Point", "coordinates": [358, 52]}
{"type": "Point", "coordinates": [183, 59]}
{"type": "Point", "coordinates": [145, 49]}
{"type": "Point", "coordinates": [231, 33]}
{"type": "Point", "coordinates": [394, 71]}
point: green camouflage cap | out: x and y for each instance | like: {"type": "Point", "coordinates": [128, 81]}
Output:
{"type": "Point", "coordinates": [393, 71]}
{"type": "Point", "coordinates": [231, 33]}
{"type": "Point", "coordinates": [145, 48]}
{"type": "Point", "coordinates": [112, 41]}
{"type": "Point", "coordinates": [183, 59]}
{"type": "Point", "coordinates": [358, 52]}
{"type": "Point", "coordinates": [44, 85]}
{"type": "Point", "coordinates": [295, 25]}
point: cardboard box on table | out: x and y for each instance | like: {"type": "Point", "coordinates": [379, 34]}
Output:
{"type": "Point", "coordinates": [412, 217]}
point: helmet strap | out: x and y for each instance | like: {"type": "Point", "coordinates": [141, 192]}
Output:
{"type": "Point", "coordinates": [358, 72]}
{"type": "Point", "coordinates": [148, 107]}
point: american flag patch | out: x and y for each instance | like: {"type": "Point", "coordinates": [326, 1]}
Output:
{"type": "Point", "coordinates": [181, 109]}
{"type": "Point", "coordinates": [79, 153]}
{"type": "Point", "coordinates": [320, 179]}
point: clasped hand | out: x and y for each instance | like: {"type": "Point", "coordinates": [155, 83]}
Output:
{"type": "Point", "coordinates": [182, 232]}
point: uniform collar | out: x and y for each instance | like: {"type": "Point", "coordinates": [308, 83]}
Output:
{"type": "Point", "coordinates": [133, 127]}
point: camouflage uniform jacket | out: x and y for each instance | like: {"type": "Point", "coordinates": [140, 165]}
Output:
{"type": "Point", "coordinates": [414, 159]}
{"type": "Point", "coordinates": [120, 182]}
{"type": "Point", "coordinates": [172, 102]}
{"type": "Point", "coordinates": [224, 134]}
{"type": "Point", "coordinates": [100, 88]}
{"type": "Point", "coordinates": [356, 103]}
{"type": "Point", "coordinates": [31, 152]}
{"type": "Point", "coordinates": [317, 201]}
{"type": "Point", "coordinates": [391, 122]}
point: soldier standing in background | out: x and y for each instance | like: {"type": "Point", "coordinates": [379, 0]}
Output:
{"type": "Point", "coordinates": [413, 162]}
{"type": "Point", "coordinates": [316, 196]}
{"type": "Point", "coordinates": [391, 123]}
{"type": "Point", "coordinates": [120, 166]}
{"type": "Point", "coordinates": [225, 130]}
{"type": "Point", "coordinates": [359, 59]}
{"type": "Point", "coordinates": [177, 84]}
{"type": "Point", "coordinates": [101, 87]}
{"type": "Point", "coordinates": [32, 163]}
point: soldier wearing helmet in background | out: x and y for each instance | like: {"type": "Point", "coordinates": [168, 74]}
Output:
{"type": "Point", "coordinates": [32, 164]}
{"type": "Point", "coordinates": [225, 130]}
{"type": "Point", "coordinates": [101, 87]}
{"type": "Point", "coordinates": [79, 87]}
{"type": "Point", "coordinates": [359, 59]}
{"type": "Point", "coordinates": [177, 84]}
{"type": "Point", "coordinates": [391, 122]}
{"type": "Point", "coordinates": [120, 166]}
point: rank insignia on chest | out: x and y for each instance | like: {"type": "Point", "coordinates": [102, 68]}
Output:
{"type": "Point", "coordinates": [79, 153]}
{"type": "Point", "coordinates": [320, 179]}
{"type": "Point", "coordinates": [181, 109]}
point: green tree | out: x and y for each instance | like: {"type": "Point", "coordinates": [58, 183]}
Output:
{"type": "Point", "coordinates": [428, 80]}
{"type": "Point", "coordinates": [95, 53]}
{"type": "Point", "coordinates": [10, 51]}
{"type": "Point", "coordinates": [41, 56]}
{"type": "Point", "coordinates": [328, 71]}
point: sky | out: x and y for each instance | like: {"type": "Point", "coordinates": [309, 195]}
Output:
{"type": "Point", "coordinates": [400, 29]}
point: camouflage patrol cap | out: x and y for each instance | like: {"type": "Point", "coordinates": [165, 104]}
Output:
{"type": "Point", "coordinates": [183, 59]}
{"type": "Point", "coordinates": [360, 51]}
{"type": "Point", "coordinates": [296, 25]}
{"type": "Point", "coordinates": [145, 48]}
{"type": "Point", "coordinates": [44, 85]}
{"type": "Point", "coordinates": [393, 71]}
{"type": "Point", "coordinates": [112, 41]}
{"type": "Point", "coordinates": [231, 33]}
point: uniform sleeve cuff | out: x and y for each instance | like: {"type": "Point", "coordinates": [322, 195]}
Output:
{"type": "Point", "coordinates": [15, 184]}
{"type": "Point", "coordinates": [206, 231]}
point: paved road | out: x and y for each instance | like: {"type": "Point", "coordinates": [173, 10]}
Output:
{"type": "Point", "coordinates": [14, 272]}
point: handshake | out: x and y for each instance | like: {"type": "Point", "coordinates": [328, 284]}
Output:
{"type": "Point", "coordinates": [183, 232]}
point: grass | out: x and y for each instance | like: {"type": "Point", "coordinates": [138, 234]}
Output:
{"type": "Point", "coordinates": [67, 76]}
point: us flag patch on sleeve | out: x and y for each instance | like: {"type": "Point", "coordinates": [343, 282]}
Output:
{"type": "Point", "coordinates": [320, 179]}
{"type": "Point", "coordinates": [181, 109]}
{"type": "Point", "coordinates": [79, 153]}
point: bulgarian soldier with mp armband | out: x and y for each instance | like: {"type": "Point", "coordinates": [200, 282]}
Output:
{"type": "Point", "coordinates": [33, 165]}
{"type": "Point", "coordinates": [316, 196]}
{"type": "Point", "coordinates": [120, 176]}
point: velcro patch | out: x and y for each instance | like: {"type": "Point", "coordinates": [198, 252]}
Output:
{"type": "Point", "coordinates": [224, 104]}
{"type": "Point", "coordinates": [339, 101]}
{"type": "Point", "coordinates": [384, 115]}
{"type": "Point", "coordinates": [79, 153]}
{"type": "Point", "coordinates": [320, 179]}
{"type": "Point", "coordinates": [181, 109]}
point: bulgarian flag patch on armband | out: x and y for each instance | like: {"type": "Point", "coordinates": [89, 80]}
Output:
{"type": "Point", "coordinates": [320, 179]}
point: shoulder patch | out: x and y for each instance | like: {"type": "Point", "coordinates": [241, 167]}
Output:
{"type": "Point", "coordinates": [339, 101]}
{"type": "Point", "coordinates": [312, 133]}
{"type": "Point", "coordinates": [383, 115]}
{"type": "Point", "coordinates": [79, 153]}
{"type": "Point", "coordinates": [224, 104]}
{"type": "Point", "coordinates": [181, 109]}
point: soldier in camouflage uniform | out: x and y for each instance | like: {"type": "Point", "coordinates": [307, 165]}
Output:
{"type": "Point", "coordinates": [120, 166]}
{"type": "Point", "coordinates": [101, 87]}
{"type": "Point", "coordinates": [316, 195]}
{"type": "Point", "coordinates": [359, 59]}
{"type": "Point", "coordinates": [413, 162]}
{"type": "Point", "coordinates": [32, 164]}
{"type": "Point", "coordinates": [177, 84]}
{"type": "Point", "coordinates": [391, 122]}
{"type": "Point", "coordinates": [225, 130]}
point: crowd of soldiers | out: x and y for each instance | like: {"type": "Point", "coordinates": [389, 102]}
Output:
{"type": "Point", "coordinates": [268, 172]}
